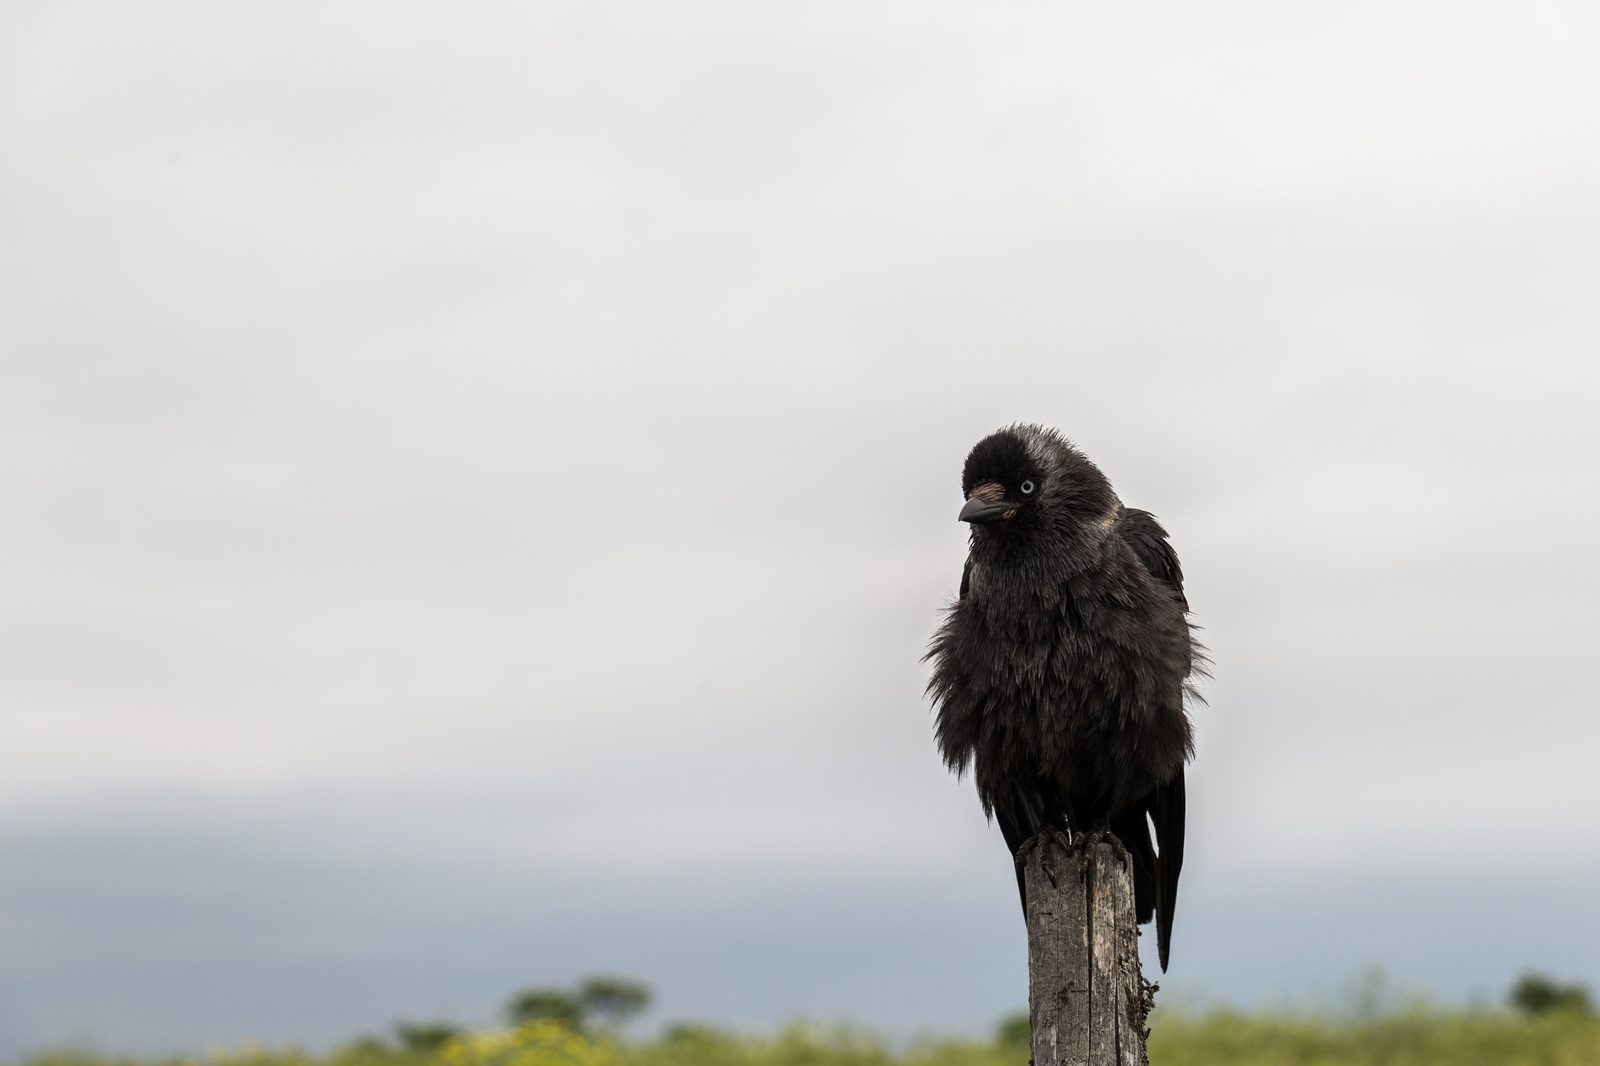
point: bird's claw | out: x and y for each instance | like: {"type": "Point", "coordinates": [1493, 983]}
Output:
{"type": "Point", "coordinates": [1037, 843]}
{"type": "Point", "coordinates": [1099, 833]}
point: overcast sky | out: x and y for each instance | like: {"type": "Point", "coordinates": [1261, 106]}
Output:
{"type": "Point", "coordinates": [478, 481]}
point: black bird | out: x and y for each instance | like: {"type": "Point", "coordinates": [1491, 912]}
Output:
{"type": "Point", "coordinates": [1061, 674]}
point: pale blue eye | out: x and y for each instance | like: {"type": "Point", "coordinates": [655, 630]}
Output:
{"type": "Point", "coordinates": [1027, 487]}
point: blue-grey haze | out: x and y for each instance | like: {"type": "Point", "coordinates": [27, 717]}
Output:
{"type": "Point", "coordinates": [176, 931]}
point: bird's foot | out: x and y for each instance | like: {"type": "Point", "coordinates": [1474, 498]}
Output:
{"type": "Point", "coordinates": [1037, 843]}
{"type": "Point", "coordinates": [1084, 842]}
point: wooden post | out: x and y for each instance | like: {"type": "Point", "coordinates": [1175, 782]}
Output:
{"type": "Point", "coordinates": [1087, 998]}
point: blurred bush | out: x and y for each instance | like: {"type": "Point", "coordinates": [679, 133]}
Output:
{"type": "Point", "coordinates": [612, 1000]}
{"type": "Point", "coordinates": [1553, 1026]}
{"type": "Point", "coordinates": [607, 1001]}
{"type": "Point", "coordinates": [1537, 994]}
{"type": "Point", "coordinates": [1415, 1036]}
{"type": "Point", "coordinates": [545, 1005]}
{"type": "Point", "coordinates": [537, 1043]}
{"type": "Point", "coordinates": [425, 1036]}
{"type": "Point", "coordinates": [1015, 1031]}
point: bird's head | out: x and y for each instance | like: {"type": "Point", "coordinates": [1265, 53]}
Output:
{"type": "Point", "coordinates": [1028, 480]}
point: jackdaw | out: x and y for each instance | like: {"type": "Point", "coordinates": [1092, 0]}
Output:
{"type": "Point", "coordinates": [1061, 674]}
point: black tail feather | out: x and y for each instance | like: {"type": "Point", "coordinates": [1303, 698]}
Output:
{"type": "Point", "coordinates": [1167, 812]}
{"type": "Point", "coordinates": [1130, 827]}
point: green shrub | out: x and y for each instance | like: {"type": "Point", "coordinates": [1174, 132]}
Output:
{"type": "Point", "coordinates": [1417, 1035]}
{"type": "Point", "coordinates": [1537, 994]}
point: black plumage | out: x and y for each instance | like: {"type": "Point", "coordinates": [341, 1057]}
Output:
{"type": "Point", "coordinates": [1061, 674]}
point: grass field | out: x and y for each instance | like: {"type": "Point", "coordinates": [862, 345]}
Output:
{"type": "Point", "coordinates": [1414, 1036]}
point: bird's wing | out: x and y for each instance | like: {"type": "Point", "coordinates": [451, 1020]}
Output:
{"type": "Point", "coordinates": [1167, 812]}
{"type": "Point", "coordinates": [966, 579]}
{"type": "Point", "coordinates": [1149, 542]}
{"type": "Point", "coordinates": [1166, 803]}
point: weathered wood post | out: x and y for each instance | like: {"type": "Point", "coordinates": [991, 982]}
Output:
{"type": "Point", "coordinates": [1087, 998]}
